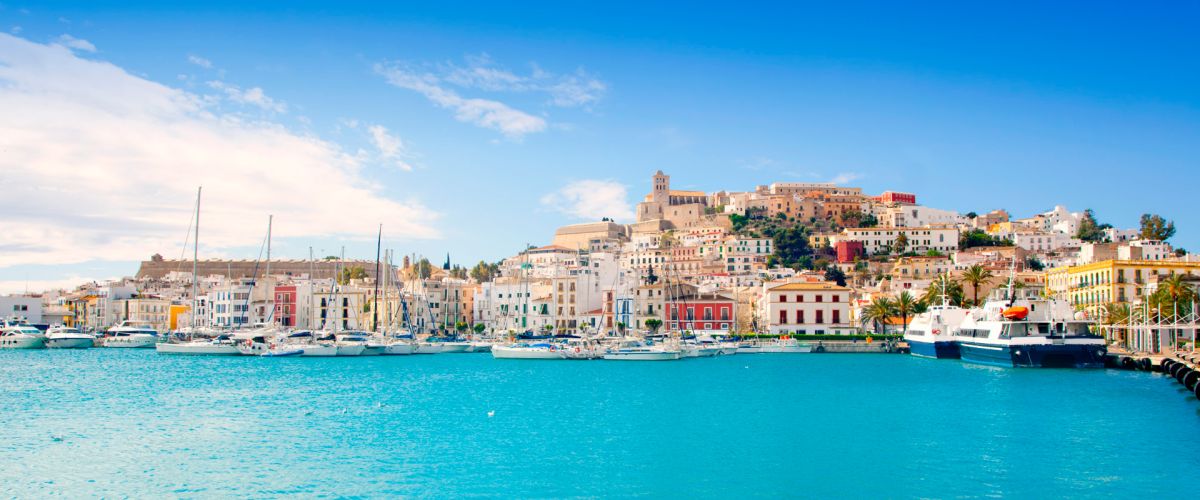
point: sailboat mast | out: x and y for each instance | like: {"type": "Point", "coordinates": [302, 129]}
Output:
{"type": "Point", "coordinates": [195, 257]}
{"type": "Point", "coordinates": [375, 306]}
{"type": "Point", "coordinates": [267, 273]}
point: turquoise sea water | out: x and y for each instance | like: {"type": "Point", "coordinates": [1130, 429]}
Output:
{"type": "Point", "coordinates": [118, 423]}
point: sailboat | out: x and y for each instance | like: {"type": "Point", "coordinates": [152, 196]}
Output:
{"type": "Point", "coordinates": [220, 346]}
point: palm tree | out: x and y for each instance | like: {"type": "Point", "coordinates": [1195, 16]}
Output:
{"type": "Point", "coordinates": [976, 275]}
{"type": "Point", "coordinates": [903, 306]}
{"type": "Point", "coordinates": [878, 312]}
{"type": "Point", "coordinates": [653, 324]}
{"type": "Point", "coordinates": [1175, 288]}
{"type": "Point", "coordinates": [952, 289]}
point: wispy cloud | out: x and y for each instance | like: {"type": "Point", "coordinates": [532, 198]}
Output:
{"type": "Point", "coordinates": [568, 90]}
{"type": "Point", "coordinates": [253, 96]}
{"type": "Point", "coordinates": [591, 199]}
{"type": "Point", "coordinates": [485, 113]}
{"type": "Point", "coordinates": [146, 147]}
{"type": "Point", "coordinates": [200, 61]}
{"type": "Point", "coordinates": [390, 147]}
{"type": "Point", "coordinates": [71, 42]}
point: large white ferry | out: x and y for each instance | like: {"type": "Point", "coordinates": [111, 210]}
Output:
{"type": "Point", "coordinates": [1018, 328]}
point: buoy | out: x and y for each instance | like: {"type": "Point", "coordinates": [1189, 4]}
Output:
{"type": "Point", "coordinates": [1189, 381]}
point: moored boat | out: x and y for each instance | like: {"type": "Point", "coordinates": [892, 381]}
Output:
{"type": "Point", "coordinates": [219, 346]}
{"type": "Point", "coordinates": [19, 334]}
{"type": "Point", "coordinates": [130, 335]}
{"type": "Point", "coordinates": [1044, 333]}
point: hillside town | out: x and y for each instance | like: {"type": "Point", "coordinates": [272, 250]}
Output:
{"type": "Point", "coordinates": [782, 259]}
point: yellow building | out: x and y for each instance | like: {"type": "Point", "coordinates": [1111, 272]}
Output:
{"type": "Point", "coordinates": [1092, 285]}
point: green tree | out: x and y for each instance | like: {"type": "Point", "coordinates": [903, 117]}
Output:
{"type": "Point", "coordinates": [479, 328]}
{"type": "Point", "coordinates": [791, 244]}
{"type": "Point", "coordinates": [901, 243]}
{"type": "Point", "coordinates": [904, 305]}
{"type": "Point", "coordinates": [877, 313]}
{"type": "Point", "coordinates": [978, 238]}
{"type": "Point", "coordinates": [461, 326]}
{"type": "Point", "coordinates": [484, 272]}
{"type": "Point", "coordinates": [352, 273]}
{"type": "Point", "coordinates": [976, 275]}
{"type": "Point", "coordinates": [1154, 227]}
{"type": "Point", "coordinates": [1034, 264]}
{"type": "Point", "coordinates": [654, 324]}
{"type": "Point", "coordinates": [1089, 229]}
{"type": "Point", "coordinates": [835, 274]}
{"type": "Point", "coordinates": [943, 286]}
{"type": "Point", "coordinates": [424, 268]}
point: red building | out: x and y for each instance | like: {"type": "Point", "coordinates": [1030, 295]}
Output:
{"type": "Point", "coordinates": [699, 312]}
{"type": "Point", "coordinates": [894, 197]}
{"type": "Point", "coordinates": [848, 250]}
{"type": "Point", "coordinates": [285, 305]}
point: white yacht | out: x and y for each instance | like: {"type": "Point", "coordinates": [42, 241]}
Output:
{"type": "Point", "coordinates": [252, 342]}
{"type": "Point", "coordinates": [447, 345]}
{"type": "Point", "coordinates": [1019, 328]}
{"type": "Point", "coordinates": [581, 349]}
{"type": "Point", "coordinates": [637, 350]}
{"type": "Point", "coordinates": [309, 344]}
{"type": "Point", "coordinates": [350, 344]}
{"type": "Point", "coordinates": [19, 334]}
{"type": "Point", "coordinates": [222, 345]}
{"type": "Point", "coordinates": [480, 346]}
{"type": "Point", "coordinates": [130, 335]}
{"type": "Point", "coordinates": [525, 350]}
{"type": "Point", "coordinates": [65, 337]}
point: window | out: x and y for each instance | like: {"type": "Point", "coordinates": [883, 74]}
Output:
{"type": "Point", "coordinates": [800, 317]}
{"type": "Point", "coordinates": [783, 298]}
{"type": "Point", "coordinates": [783, 317]}
{"type": "Point", "coordinates": [820, 317]}
{"type": "Point", "coordinates": [820, 298]}
{"type": "Point", "coordinates": [837, 316]}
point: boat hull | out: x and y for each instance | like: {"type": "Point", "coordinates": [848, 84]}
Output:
{"type": "Point", "coordinates": [198, 349]}
{"type": "Point", "coordinates": [22, 342]}
{"type": "Point", "coordinates": [505, 352]}
{"type": "Point", "coordinates": [130, 342]}
{"type": "Point", "coordinates": [351, 350]}
{"type": "Point", "coordinates": [448, 347]}
{"type": "Point", "coordinates": [480, 347]}
{"type": "Point", "coordinates": [426, 348]}
{"type": "Point", "coordinates": [70, 343]}
{"type": "Point", "coordinates": [643, 356]}
{"type": "Point", "coordinates": [319, 351]}
{"type": "Point", "coordinates": [399, 349]}
{"type": "Point", "coordinates": [1034, 355]}
{"type": "Point", "coordinates": [938, 349]}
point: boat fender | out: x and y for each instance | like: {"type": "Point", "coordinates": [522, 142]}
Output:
{"type": "Point", "coordinates": [1167, 365]}
{"type": "Point", "coordinates": [1182, 373]}
{"type": "Point", "coordinates": [1190, 379]}
{"type": "Point", "coordinates": [1146, 364]}
{"type": "Point", "coordinates": [1196, 391]}
{"type": "Point", "coordinates": [1175, 368]}
{"type": "Point", "coordinates": [1127, 362]}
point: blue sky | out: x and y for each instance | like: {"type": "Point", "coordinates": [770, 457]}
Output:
{"type": "Point", "coordinates": [479, 127]}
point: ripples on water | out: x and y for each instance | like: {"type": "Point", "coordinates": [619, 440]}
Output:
{"type": "Point", "coordinates": [134, 423]}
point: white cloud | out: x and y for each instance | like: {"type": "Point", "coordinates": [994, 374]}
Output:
{"type": "Point", "coordinates": [482, 112]}
{"type": "Point", "coordinates": [75, 43]}
{"type": "Point", "coordinates": [38, 286]}
{"type": "Point", "coordinates": [15, 30]}
{"type": "Point", "coordinates": [390, 147]}
{"type": "Point", "coordinates": [845, 177]}
{"type": "Point", "coordinates": [591, 199]}
{"type": "Point", "coordinates": [200, 61]}
{"type": "Point", "coordinates": [253, 96]}
{"type": "Point", "coordinates": [99, 164]}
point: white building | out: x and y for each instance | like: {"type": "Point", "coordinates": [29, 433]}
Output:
{"type": "Point", "coordinates": [1045, 241]}
{"type": "Point", "coordinates": [22, 307]}
{"type": "Point", "coordinates": [803, 308]}
{"type": "Point", "coordinates": [883, 239]}
{"type": "Point", "coordinates": [918, 216]}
